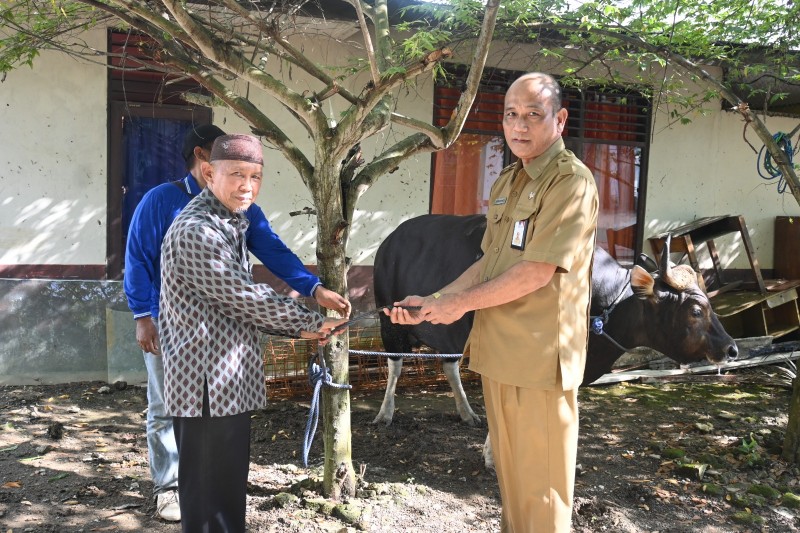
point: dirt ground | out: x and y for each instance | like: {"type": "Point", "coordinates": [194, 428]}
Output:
{"type": "Point", "coordinates": [679, 457]}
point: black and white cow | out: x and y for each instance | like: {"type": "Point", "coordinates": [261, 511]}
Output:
{"type": "Point", "coordinates": [668, 313]}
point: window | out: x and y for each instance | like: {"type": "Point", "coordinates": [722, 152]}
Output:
{"type": "Point", "coordinates": [464, 173]}
{"type": "Point", "coordinates": [607, 129]}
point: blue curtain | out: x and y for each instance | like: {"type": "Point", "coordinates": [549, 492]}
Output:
{"type": "Point", "coordinates": [152, 152]}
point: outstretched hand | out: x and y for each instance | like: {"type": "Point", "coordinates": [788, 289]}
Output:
{"type": "Point", "coordinates": [324, 332]}
{"type": "Point", "coordinates": [333, 301]}
{"type": "Point", "coordinates": [400, 314]}
{"type": "Point", "coordinates": [442, 310]}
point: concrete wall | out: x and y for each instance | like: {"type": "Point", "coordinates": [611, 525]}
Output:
{"type": "Point", "coordinates": [61, 331]}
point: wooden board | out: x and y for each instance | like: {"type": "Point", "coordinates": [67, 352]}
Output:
{"type": "Point", "coordinates": [618, 377]}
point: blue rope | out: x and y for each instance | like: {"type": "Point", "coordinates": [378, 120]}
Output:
{"type": "Point", "coordinates": [767, 169]}
{"type": "Point", "coordinates": [318, 375]}
{"type": "Point", "coordinates": [597, 323]}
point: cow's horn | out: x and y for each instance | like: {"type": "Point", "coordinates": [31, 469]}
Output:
{"type": "Point", "coordinates": [680, 277]}
{"type": "Point", "coordinates": [664, 266]}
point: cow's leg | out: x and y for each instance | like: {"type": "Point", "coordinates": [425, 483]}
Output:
{"type": "Point", "coordinates": [387, 407]}
{"type": "Point", "coordinates": [488, 458]}
{"type": "Point", "coordinates": [451, 370]}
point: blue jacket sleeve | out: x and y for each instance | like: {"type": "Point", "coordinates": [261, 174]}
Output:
{"type": "Point", "coordinates": [149, 224]}
{"type": "Point", "coordinates": [276, 256]}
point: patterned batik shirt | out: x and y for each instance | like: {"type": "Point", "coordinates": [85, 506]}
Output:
{"type": "Point", "coordinates": [211, 313]}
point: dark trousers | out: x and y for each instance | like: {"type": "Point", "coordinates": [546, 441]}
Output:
{"type": "Point", "coordinates": [213, 462]}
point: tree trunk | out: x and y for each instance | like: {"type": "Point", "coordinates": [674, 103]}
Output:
{"type": "Point", "coordinates": [791, 443]}
{"type": "Point", "coordinates": [339, 475]}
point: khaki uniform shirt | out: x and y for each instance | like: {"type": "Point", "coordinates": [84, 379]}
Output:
{"type": "Point", "coordinates": [546, 212]}
{"type": "Point", "coordinates": [211, 313]}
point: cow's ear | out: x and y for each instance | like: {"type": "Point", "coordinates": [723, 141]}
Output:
{"type": "Point", "coordinates": [647, 263]}
{"type": "Point", "coordinates": [642, 282]}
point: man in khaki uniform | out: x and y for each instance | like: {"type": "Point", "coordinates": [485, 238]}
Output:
{"type": "Point", "coordinates": [531, 293]}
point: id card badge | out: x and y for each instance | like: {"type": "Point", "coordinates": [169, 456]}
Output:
{"type": "Point", "coordinates": [518, 237]}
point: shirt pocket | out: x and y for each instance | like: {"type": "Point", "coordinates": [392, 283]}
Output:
{"type": "Point", "coordinates": [495, 214]}
{"type": "Point", "coordinates": [523, 212]}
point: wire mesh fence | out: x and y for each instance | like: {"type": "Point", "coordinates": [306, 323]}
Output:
{"type": "Point", "coordinates": [286, 365]}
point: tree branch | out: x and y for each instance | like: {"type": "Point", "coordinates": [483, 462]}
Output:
{"type": "Point", "coordinates": [350, 128]}
{"type": "Point", "coordinates": [261, 124]}
{"type": "Point", "coordinates": [311, 68]}
{"type": "Point", "coordinates": [295, 56]}
{"type": "Point", "coordinates": [373, 65]}
{"type": "Point", "coordinates": [428, 139]}
{"type": "Point", "coordinates": [453, 128]}
{"type": "Point", "coordinates": [386, 162]}
{"type": "Point", "coordinates": [434, 133]}
{"type": "Point", "coordinates": [226, 55]}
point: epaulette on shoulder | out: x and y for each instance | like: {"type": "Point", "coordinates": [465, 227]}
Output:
{"type": "Point", "coordinates": [508, 168]}
{"type": "Point", "coordinates": [567, 166]}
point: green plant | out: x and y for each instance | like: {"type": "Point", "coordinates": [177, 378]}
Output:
{"type": "Point", "coordinates": [751, 450]}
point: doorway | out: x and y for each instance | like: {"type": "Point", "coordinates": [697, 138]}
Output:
{"type": "Point", "coordinates": [144, 151]}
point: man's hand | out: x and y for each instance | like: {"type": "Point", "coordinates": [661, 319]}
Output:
{"type": "Point", "coordinates": [442, 310]}
{"type": "Point", "coordinates": [406, 317]}
{"type": "Point", "coordinates": [147, 335]}
{"type": "Point", "coordinates": [328, 325]}
{"type": "Point", "coordinates": [330, 300]}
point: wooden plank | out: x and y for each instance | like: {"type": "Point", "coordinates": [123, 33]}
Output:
{"type": "Point", "coordinates": [619, 377]}
{"type": "Point", "coordinates": [732, 303]}
{"type": "Point", "coordinates": [780, 298]}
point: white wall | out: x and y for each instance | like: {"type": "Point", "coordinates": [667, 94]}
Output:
{"type": "Point", "coordinates": [53, 161]}
{"type": "Point", "coordinates": [706, 169]}
{"type": "Point", "coordinates": [53, 181]}
{"type": "Point", "coordinates": [53, 174]}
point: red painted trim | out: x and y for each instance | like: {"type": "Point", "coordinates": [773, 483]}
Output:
{"type": "Point", "coordinates": [87, 272]}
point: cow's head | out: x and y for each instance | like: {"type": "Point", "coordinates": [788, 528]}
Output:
{"type": "Point", "coordinates": [679, 314]}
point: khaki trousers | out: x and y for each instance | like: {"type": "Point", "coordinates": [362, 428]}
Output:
{"type": "Point", "coordinates": [534, 436]}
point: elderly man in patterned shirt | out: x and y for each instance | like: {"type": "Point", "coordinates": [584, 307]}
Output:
{"type": "Point", "coordinates": [211, 315]}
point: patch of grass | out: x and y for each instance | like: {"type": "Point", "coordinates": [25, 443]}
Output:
{"type": "Point", "coordinates": [765, 491]}
{"type": "Point", "coordinates": [673, 453]}
{"type": "Point", "coordinates": [713, 489]}
{"type": "Point", "coordinates": [746, 501]}
{"type": "Point", "coordinates": [791, 500]}
{"type": "Point", "coordinates": [748, 519]}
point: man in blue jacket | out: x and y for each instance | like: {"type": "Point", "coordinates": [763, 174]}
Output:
{"type": "Point", "coordinates": [142, 282]}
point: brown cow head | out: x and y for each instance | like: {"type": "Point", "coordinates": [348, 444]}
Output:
{"type": "Point", "coordinates": [676, 302]}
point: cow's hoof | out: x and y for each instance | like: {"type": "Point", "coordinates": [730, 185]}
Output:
{"type": "Point", "coordinates": [488, 459]}
{"type": "Point", "coordinates": [472, 421]}
{"type": "Point", "coordinates": [470, 418]}
{"type": "Point", "coordinates": [382, 419]}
